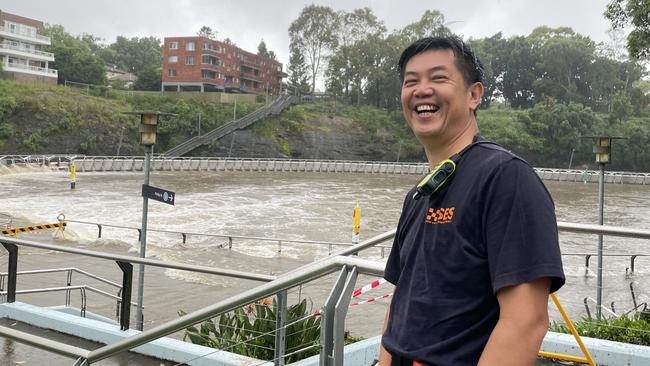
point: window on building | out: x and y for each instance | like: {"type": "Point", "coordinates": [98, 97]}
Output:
{"type": "Point", "coordinates": [172, 59]}
{"type": "Point", "coordinates": [173, 45]}
{"type": "Point", "coordinates": [189, 60]}
{"type": "Point", "coordinates": [208, 74]}
{"type": "Point", "coordinates": [190, 46]}
{"type": "Point", "coordinates": [207, 46]}
{"type": "Point", "coordinates": [171, 72]}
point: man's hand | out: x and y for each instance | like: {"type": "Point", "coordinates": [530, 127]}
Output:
{"type": "Point", "coordinates": [523, 322]}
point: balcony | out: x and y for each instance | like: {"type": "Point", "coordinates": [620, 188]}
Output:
{"type": "Point", "coordinates": [14, 50]}
{"type": "Point", "coordinates": [14, 67]}
{"type": "Point", "coordinates": [24, 36]}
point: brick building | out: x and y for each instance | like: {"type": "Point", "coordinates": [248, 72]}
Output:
{"type": "Point", "coordinates": [21, 50]}
{"type": "Point", "coordinates": [202, 64]}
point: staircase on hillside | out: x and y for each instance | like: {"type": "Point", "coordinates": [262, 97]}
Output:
{"type": "Point", "coordinates": [277, 106]}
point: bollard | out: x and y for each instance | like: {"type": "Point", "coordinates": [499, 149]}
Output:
{"type": "Point", "coordinates": [279, 246]}
{"type": "Point", "coordinates": [73, 175]}
{"type": "Point", "coordinates": [229, 242]}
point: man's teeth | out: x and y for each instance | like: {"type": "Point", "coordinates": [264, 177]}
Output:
{"type": "Point", "coordinates": [426, 108]}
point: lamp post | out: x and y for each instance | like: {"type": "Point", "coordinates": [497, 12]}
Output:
{"type": "Point", "coordinates": [148, 129]}
{"type": "Point", "coordinates": [602, 148]}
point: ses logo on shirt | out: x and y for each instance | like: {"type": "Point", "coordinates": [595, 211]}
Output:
{"type": "Point", "coordinates": [440, 216]}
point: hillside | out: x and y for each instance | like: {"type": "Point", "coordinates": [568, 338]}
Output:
{"type": "Point", "coordinates": [55, 120]}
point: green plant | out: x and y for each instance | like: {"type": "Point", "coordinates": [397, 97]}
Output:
{"type": "Point", "coordinates": [634, 330]}
{"type": "Point", "coordinates": [250, 331]}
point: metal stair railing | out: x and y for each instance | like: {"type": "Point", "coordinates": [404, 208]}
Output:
{"type": "Point", "coordinates": [275, 285]}
{"type": "Point", "coordinates": [275, 107]}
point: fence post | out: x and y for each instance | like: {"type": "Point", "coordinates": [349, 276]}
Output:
{"type": "Point", "coordinates": [127, 284]}
{"type": "Point", "coordinates": [11, 271]}
{"type": "Point", "coordinates": [280, 330]}
{"type": "Point", "coordinates": [340, 312]}
{"type": "Point", "coordinates": [327, 320]}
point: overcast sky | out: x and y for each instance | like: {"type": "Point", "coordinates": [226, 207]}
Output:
{"type": "Point", "coordinates": [246, 22]}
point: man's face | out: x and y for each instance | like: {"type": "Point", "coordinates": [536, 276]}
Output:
{"type": "Point", "coordinates": [436, 103]}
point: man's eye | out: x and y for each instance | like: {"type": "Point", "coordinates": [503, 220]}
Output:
{"type": "Point", "coordinates": [409, 82]}
{"type": "Point", "coordinates": [438, 77]}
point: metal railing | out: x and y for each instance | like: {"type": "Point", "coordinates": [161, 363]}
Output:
{"type": "Point", "coordinates": [278, 105]}
{"type": "Point", "coordinates": [25, 34]}
{"type": "Point", "coordinates": [9, 46]}
{"type": "Point", "coordinates": [273, 286]}
{"type": "Point", "coordinates": [349, 267]}
{"type": "Point", "coordinates": [185, 234]}
{"type": "Point", "coordinates": [49, 72]}
{"type": "Point", "coordinates": [68, 287]}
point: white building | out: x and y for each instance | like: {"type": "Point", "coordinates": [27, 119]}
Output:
{"type": "Point", "coordinates": [21, 50]}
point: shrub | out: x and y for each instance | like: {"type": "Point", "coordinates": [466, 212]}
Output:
{"type": "Point", "coordinates": [250, 331]}
{"type": "Point", "coordinates": [634, 330]}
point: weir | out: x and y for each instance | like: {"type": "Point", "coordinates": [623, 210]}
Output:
{"type": "Point", "coordinates": [206, 164]}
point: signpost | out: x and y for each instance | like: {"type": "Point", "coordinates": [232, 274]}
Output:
{"type": "Point", "coordinates": [158, 194]}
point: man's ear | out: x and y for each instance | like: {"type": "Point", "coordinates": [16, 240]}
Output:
{"type": "Point", "coordinates": [475, 94]}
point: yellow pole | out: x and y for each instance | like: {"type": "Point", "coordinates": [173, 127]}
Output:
{"type": "Point", "coordinates": [356, 224]}
{"type": "Point", "coordinates": [73, 175]}
{"type": "Point", "coordinates": [568, 322]}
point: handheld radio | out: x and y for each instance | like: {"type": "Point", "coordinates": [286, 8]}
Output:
{"type": "Point", "coordinates": [436, 179]}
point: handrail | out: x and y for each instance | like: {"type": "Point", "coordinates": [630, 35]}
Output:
{"type": "Point", "coordinates": [228, 127]}
{"type": "Point", "coordinates": [288, 280]}
{"type": "Point", "coordinates": [283, 240]}
{"type": "Point", "coordinates": [603, 229]}
{"type": "Point", "coordinates": [301, 275]}
{"type": "Point", "coordinates": [130, 259]}
{"type": "Point", "coordinates": [44, 343]}
{"type": "Point", "coordinates": [65, 269]}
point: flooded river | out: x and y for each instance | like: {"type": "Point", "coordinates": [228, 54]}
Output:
{"type": "Point", "coordinates": [305, 206]}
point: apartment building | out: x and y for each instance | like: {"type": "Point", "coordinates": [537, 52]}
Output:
{"type": "Point", "coordinates": [203, 64]}
{"type": "Point", "coordinates": [21, 50]}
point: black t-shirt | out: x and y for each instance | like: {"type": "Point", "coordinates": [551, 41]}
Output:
{"type": "Point", "coordinates": [492, 226]}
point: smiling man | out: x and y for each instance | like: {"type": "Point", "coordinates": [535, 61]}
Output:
{"type": "Point", "coordinates": [476, 252]}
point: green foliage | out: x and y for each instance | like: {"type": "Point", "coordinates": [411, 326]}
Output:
{"type": "Point", "coordinates": [74, 59]}
{"type": "Point", "coordinates": [625, 13]}
{"type": "Point", "coordinates": [135, 54]}
{"type": "Point", "coordinates": [150, 78]}
{"type": "Point", "coordinates": [250, 331]}
{"type": "Point", "coordinates": [624, 329]}
{"type": "Point", "coordinates": [34, 142]}
{"type": "Point", "coordinates": [313, 35]}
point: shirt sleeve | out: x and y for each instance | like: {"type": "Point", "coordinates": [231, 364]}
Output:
{"type": "Point", "coordinates": [520, 228]}
{"type": "Point", "coordinates": [393, 264]}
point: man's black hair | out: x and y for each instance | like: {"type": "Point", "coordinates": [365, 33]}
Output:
{"type": "Point", "coordinates": [466, 61]}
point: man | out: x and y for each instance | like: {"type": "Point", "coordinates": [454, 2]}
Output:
{"type": "Point", "coordinates": [474, 262]}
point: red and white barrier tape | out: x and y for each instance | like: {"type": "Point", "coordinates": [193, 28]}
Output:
{"type": "Point", "coordinates": [368, 287]}
{"type": "Point", "coordinates": [371, 300]}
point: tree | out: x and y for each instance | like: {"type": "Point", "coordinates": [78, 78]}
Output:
{"type": "Point", "coordinates": [73, 58]}
{"type": "Point", "coordinates": [262, 50]}
{"type": "Point", "coordinates": [149, 79]}
{"type": "Point", "coordinates": [207, 32]}
{"type": "Point", "coordinates": [519, 72]}
{"type": "Point", "coordinates": [313, 34]}
{"type": "Point", "coordinates": [432, 23]}
{"type": "Point", "coordinates": [297, 68]}
{"type": "Point", "coordinates": [353, 28]}
{"type": "Point", "coordinates": [229, 41]}
{"type": "Point", "coordinates": [135, 54]}
{"type": "Point", "coordinates": [624, 13]}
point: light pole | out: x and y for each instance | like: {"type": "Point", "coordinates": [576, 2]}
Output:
{"type": "Point", "coordinates": [148, 129]}
{"type": "Point", "coordinates": [602, 148]}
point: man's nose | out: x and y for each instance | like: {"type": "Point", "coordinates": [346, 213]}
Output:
{"type": "Point", "coordinates": [424, 89]}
